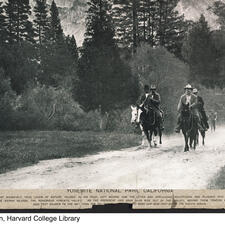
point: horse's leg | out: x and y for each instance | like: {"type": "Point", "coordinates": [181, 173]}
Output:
{"type": "Point", "coordinates": [160, 136]}
{"type": "Point", "coordinates": [203, 138]}
{"type": "Point", "coordinates": [186, 148]}
{"type": "Point", "coordinates": [147, 136]}
{"type": "Point", "coordinates": [143, 138]}
{"type": "Point", "coordinates": [195, 140]}
{"type": "Point", "coordinates": [190, 142]}
{"type": "Point", "coordinates": [155, 137]}
{"type": "Point", "coordinates": [150, 137]}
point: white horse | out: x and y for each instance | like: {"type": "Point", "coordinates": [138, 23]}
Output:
{"type": "Point", "coordinates": [135, 119]}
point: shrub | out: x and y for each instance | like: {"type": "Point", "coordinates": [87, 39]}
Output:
{"type": "Point", "coordinates": [119, 120]}
{"type": "Point", "coordinates": [7, 101]}
{"type": "Point", "coordinates": [44, 107]}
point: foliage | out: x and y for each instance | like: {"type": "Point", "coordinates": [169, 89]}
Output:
{"type": "Point", "coordinates": [156, 22]}
{"type": "Point", "coordinates": [53, 108]}
{"type": "Point", "coordinates": [19, 26]}
{"type": "Point", "coordinates": [104, 79]}
{"type": "Point", "coordinates": [19, 63]}
{"type": "Point", "coordinates": [7, 100]}
{"type": "Point", "coordinates": [55, 32]}
{"type": "Point", "coordinates": [200, 53]}
{"type": "Point", "coordinates": [41, 23]}
{"type": "Point", "coordinates": [3, 32]}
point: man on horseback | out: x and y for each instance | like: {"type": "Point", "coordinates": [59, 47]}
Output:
{"type": "Point", "coordinates": [143, 97]}
{"type": "Point", "coordinates": [154, 100]}
{"type": "Point", "coordinates": [191, 100]}
{"type": "Point", "coordinates": [141, 103]}
{"type": "Point", "coordinates": [201, 109]}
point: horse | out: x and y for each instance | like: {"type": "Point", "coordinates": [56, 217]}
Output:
{"type": "Point", "coordinates": [148, 122]}
{"type": "Point", "coordinates": [189, 127]}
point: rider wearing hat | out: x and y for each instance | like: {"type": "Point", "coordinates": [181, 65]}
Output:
{"type": "Point", "coordinates": [201, 109]}
{"type": "Point", "coordinates": [143, 97]}
{"type": "Point", "coordinates": [188, 98]}
{"type": "Point", "coordinates": [154, 100]}
{"type": "Point", "coordinates": [141, 101]}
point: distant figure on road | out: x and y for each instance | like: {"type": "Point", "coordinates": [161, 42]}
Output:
{"type": "Point", "coordinates": [213, 119]}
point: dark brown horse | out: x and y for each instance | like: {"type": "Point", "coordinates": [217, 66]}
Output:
{"type": "Point", "coordinates": [149, 123]}
{"type": "Point", "coordinates": [189, 128]}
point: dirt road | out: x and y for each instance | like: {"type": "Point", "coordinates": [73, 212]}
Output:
{"type": "Point", "coordinates": [166, 167]}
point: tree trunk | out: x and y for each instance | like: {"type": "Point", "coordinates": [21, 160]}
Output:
{"type": "Point", "coordinates": [134, 6]}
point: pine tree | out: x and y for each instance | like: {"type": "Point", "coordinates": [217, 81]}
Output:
{"type": "Point", "coordinates": [122, 14]}
{"type": "Point", "coordinates": [41, 24]}
{"type": "Point", "coordinates": [10, 11]}
{"type": "Point", "coordinates": [135, 24]}
{"type": "Point", "coordinates": [56, 31]}
{"type": "Point", "coordinates": [2, 24]}
{"type": "Point", "coordinates": [72, 46]}
{"type": "Point", "coordinates": [200, 54]}
{"type": "Point", "coordinates": [57, 56]}
{"type": "Point", "coordinates": [17, 18]}
{"type": "Point", "coordinates": [105, 81]}
{"type": "Point", "coordinates": [153, 21]}
{"type": "Point", "coordinates": [173, 28]}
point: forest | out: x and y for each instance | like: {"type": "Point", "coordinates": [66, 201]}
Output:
{"type": "Point", "coordinates": [47, 82]}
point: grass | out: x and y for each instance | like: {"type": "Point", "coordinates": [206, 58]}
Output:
{"type": "Point", "coordinates": [24, 148]}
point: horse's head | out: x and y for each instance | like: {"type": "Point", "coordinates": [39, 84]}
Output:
{"type": "Point", "coordinates": [135, 115]}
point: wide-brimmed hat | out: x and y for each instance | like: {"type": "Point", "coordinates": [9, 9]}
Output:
{"type": "Point", "coordinates": [195, 90]}
{"type": "Point", "coordinates": [153, 87]}
{"type": "Point", "coordinates": [188, 86]}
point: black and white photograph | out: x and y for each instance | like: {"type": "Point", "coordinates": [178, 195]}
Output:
{"type": "Point", "coordinates": [113, 94]}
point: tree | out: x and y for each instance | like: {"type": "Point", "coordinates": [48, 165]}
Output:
{"type": "Point", "coordinates": [7, 100]}
{"type": "Point", "coordinates": [218, 8]}
{"type": "Point", "coordinates": [41, 24]}
{"type": "Point", "coordinates": [72, 47]}
{"type": "Point", "coordinates": [10, 12]}
{"type": "Point", "coordinates": [56, 31]}
{"type": "Point", "coordinates": [171, 27]}
{"type": "Point", "coordinates": [200, 53]}
{"type": "Point", "coordinates": [122, 14]}
{"type": "Point", "coordinates": [2, 24]}
{"type": "Point", "coordinates": [17, 19]}
{"type": "Point", "coordinates": [57, 66]}
{"type": "Point", "coordinates": [19, 64]}
{"type": "Point", "coordinates": [104, 80]}
{"type": "Point", "coordinates": [153, 21]}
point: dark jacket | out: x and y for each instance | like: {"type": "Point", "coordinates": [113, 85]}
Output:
{"type": "Point", "coordinates": [154, 101]}
{"type": "Point", "coordinates": [142, 99]}
{"type": "Point", "coordinates": [200, 103]}
{"type": "Point", "coordinates": [193, 103]}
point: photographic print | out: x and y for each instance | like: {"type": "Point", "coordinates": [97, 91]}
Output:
{"type": "Point", "coordinates": [112, 94]}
